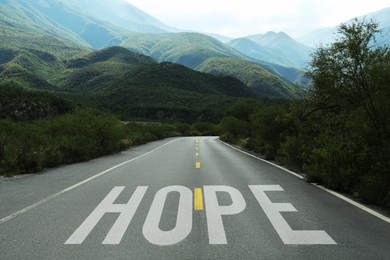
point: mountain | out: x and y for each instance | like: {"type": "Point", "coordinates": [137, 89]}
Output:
{"type": "Point", "coordinates": [289, 74]}
{"type": "Point", "coordinates": [221, 38]}
{"type": "Point", "coordinates": [328, 35]}
{"type": "Point", "coordinates": [255, 76]}
{"type": "Point", "coordinates": [172, 91]}
{"type": "Point", "coordinates": [69, 30]}
{"type": "Point", "coordinates": [18, 103]}
{"type": "Point", "coordinates": [21, 26]}
{"type": "Point", "coordinates": [261, 53]}
{"type": "Point", "coordinates": [319, 37]}
{"type": "Point", "coordinates": [121, 14]}
{"type": "Point", "coordinates": [59, 19]}
{"type": "Point", "coordinates": [141, 87]}
{"type": "Point", "coordinates": [188, 49]}
{"type": "Point", "coordinates": [193, 50]}
{"type": "Point", "coordinates": [383, 18]}
{"type": "Point", "coordinates": [98, 69]}
{"type": "Point", "coordinates": [126, 83]}
{"type": "Point", "coordinates": [87, 23]}
{"type": "Point", "coordinates": [289, 48]}
{"type": "Point", "coordinates": [29, 68]}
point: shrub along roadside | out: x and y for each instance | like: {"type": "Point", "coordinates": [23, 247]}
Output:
{"type": "Point", "coordinates": [337, 151]}
{"type": "Point", "coordinates": [27, 147]}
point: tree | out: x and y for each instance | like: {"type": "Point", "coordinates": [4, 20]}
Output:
{"type": "Point", "coordinates": [353, 73]}
{"type": "Point", "coordinates": [351, 92]}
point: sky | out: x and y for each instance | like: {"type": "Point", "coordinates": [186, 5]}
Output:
{"type": "Point", "coordinates": [236, 18]}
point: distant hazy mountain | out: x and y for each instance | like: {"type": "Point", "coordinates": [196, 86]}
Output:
{"type": "Point", "coordinates": [21, 25]}
{"type": "Point", "coordinates": [93, 23]}
{"type": "Point", "coordinates": [188, 49]}
{"type": "Point", "coordinates": [289, 74]}
{"type": "Point", "coordinates": [120, 13]}
{"type": "Point", "coordinates": [221, 38]}
{"type": "Point", "coordinates": [57, 19]}
{"type": "Point", "coordinates": [328, 35]}
{"type": "Point", "coordinates": [291, 49]}
{"type": "Point", "coordinates": [261, 53]}
{"type": "Point", "coordinates": [322, 36]}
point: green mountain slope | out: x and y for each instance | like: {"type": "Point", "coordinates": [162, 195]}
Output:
{"type": "Point", "coordinates": [134, 85]}
{"type": "Point", "coordinates": [121, 14]}
{"type": "Point", "coordinates": [194, 50]}
{"type": "Point", "coordinates": [21, 16]}
{"type": "Point", "coordinates": [281, 42]}
{"type": "Point", "coordinates": [60, 20]}
{"type": "Point", "coordinates": [255, 76]}
{"type": "Point", "coordinates": [66, 28]}
{"type": "Point", "coordinates": [188, 49]}
{"type": "Point", "coordinates": [126, 83]}
{"type": "Point", "coordinates": [99, 69]}
{"type": "Point", "coordinates": [86, 23]}
{"type": "Point", "coordinates": [23, 27]}
{"type": "Point", "coordinates": [289, 74]}
{"type": "Point", "coordinates": [113, 54]}
{"type": "Point", "coordinates": [31, 69]}
{"type": "Point", "coordinates": [171, 91]}
{"type": "Point", "coordinates": [19, 103]}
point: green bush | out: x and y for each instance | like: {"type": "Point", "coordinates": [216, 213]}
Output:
{"type": "Point", "coordinates": [232, 129]}
{"type": "Point", "coordinates": [83, 135]}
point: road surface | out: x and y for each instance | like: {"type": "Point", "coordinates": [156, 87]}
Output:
{"type": "Point", "coordinates": [181, 198]}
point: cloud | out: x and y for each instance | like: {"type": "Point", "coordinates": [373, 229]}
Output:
{"type": "Point", "coordinates": [241, 17]}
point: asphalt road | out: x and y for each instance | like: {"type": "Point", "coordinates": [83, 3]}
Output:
{"type": "Point", "coordinates": [184, 198]}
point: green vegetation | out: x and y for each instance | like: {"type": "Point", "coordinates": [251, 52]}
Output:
{"type": "Point", "coordinates": [206, 54]}
{"type": "Point", "coordinates": [20, 104]}
{"type": "Point", "coordinates": [188, 49]}
{"type": "Point", "coordinates": [27, 147]}
{"type": "Point", "coordinates": [282, 43]}
{"type": "Point", "coordinates": [30, 68]}
{"type": "Point", "coordinates": [20, 31]}
{"type": "Point", "coordinates": [58, 28]}
{"type": "Point", "coordinates": [255, 76]}
{"type": "Point", "coordinates": [101, 69]}
{"type": "Point", "coordinates": [60, 21]}
{"type": "Point", "coordinates": [40, 130]}
{"type": "Point", "coordinates": [340, 135]}
{"type": "Point", "coordinates": [171, 92]}
{"type": "Point", "coordinates": [127, 84]}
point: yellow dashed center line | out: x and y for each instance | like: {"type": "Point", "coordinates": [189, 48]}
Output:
{"type": "Point", "coordinates": [198, 199]}
{"type": "Point", "coordinates": [197, 164]}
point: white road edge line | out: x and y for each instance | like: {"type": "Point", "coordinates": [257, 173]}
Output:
{"type": "Point", "coordinates": [273, 164]}
{"type": "Point", "coordinates": [356, 204]}
{"type": "Point", "coordinates": [26, 209]}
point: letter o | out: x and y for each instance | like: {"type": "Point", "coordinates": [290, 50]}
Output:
{"type": "Point", "coordinates": [182, 229]}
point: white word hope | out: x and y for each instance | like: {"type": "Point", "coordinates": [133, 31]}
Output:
{"type": "Point", "coordinates": [184, 220]}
